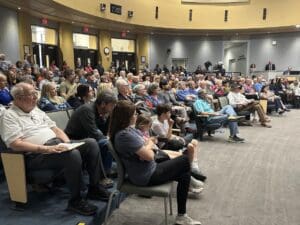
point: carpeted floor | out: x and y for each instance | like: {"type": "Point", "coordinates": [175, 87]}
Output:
{"type": "Point", "coordinates": [254, 183]}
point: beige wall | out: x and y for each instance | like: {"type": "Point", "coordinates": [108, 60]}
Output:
{"type": "Point", "coordinates": [105, 41]}
{"type": "Point", "coordinates": [174, 14]}
{"type": "Point", "coordinates": [24, 33]}
{"type": "Point", "coordinates": [142, 49]}
{"type": "Point", "coordinates": [66, 43]}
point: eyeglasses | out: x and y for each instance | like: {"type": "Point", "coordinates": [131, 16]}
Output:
{"type": "Point", "coordinates": [32, 94]}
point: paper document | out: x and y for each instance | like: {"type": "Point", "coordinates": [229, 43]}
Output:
{"type": "Point", "coordinates": [70, 146]}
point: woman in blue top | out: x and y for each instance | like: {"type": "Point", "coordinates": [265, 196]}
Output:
{"type": "Point", "coordinates": [50, 101]}
{"type": "Point", "coordinates": [137, 155]}
{"type": "Point", "coordinates": [5, 97]}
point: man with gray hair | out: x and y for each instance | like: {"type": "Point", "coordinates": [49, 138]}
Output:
{"type": "Point", "coordinates": [123, 90]}
{"type": "Point", "coordinates": [25, 128]}
{"type": "Point", "coordinates": [91, 121]}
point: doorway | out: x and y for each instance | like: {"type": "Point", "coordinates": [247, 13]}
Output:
{"type": "Point", "coordinates": [179, 62]}
{"type": "Point", "coordinates": [124, 60]}
{"type": "Point", "coordinates": [235, 56]}
{"type": "Point", "coordinates": [84, 56]}
{"type": "Point", "coordinates": [44, 54]}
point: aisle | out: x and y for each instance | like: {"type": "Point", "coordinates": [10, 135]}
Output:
{"type": "Point", "coordinates": [255, 183]}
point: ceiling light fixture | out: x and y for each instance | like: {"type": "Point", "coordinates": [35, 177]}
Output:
{"type": "Point", "coordinates": [19, 8]}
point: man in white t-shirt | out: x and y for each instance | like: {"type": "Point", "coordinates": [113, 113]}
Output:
{"type": "Point", "coordinates": [25, 128]}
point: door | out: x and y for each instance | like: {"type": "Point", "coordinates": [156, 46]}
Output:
{"type": "Point", "coordinates": [179, 62]}
{"type": "Point", "coordinates": [84, 56]}
{"type": "Point", "coordinates": [44, 54]}
{"type": "Point", "coordinates": [124, 60]}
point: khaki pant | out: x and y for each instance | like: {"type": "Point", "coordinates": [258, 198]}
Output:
{"type": "Point", "coordinates": [252, 107]}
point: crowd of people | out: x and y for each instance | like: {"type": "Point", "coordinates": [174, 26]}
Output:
{"type": "Point", "coordinates": [136, 112]}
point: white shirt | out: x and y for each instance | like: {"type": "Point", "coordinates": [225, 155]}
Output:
{"type": "Point", "coordinates": [237, 98]}
{"type": "Point", "coordinates": [160, 129]}
{"type": "Point", "coordinates": [34, 127]}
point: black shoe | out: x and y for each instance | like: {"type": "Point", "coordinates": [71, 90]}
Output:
{"type": "Point", "coordinates": [98, 193]}
{"type": "Point", "coordinates": [198, 175]}
{"type": "Point", "coordinates": [82, 207]}
{"type": "Point", "coordinates": [238, 139]}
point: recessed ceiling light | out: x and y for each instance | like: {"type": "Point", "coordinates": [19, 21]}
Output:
{"type": "Point", "coordinates": [72, 22]}
{"type": "Point", "coordinates": [19, 8]}
{"type": "Point", "coordinates": [298, 26]}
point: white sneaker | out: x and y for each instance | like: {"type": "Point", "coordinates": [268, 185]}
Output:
{"type": "Point", "coordinates": [196, 183]}
{"type": "Point", "coordinates": [193, 190]}
{"type": "Point", "coordinates": [186, 220]}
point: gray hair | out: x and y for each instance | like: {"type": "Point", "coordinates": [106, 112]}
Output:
{"type": "Point", "coordinates": [106, 96]}
{"type": "Point", "coordinates": [121, 82]}
{"type": "Point", "coordinates": [138, 87]}
{"type": "Point", "coordinates": [2, 76]}
{"type": "Point", "coordinates": [19, 89]}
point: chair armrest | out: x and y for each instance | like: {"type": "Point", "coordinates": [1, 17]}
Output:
{"type": "Point", "coordinates": [176, 131]}
{"type": "Point", "coordinates": [14, 169]}
{"type": "Point", "coordinates": [203, 116]}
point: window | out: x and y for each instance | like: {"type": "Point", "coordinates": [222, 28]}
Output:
{"type": "Point", "coordinates": [85, 41]}
{"type": "Point", "coordinates": [122, 45]}
{"type": "Point", "coordinates": [43, 35]}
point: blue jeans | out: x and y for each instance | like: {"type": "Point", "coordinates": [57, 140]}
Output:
{"type": "Point", "coordinates": [223, 119]}
{"type": "Point", "coordinates": [105, 154]}
{"type": "Point", "coordinates": [227, 110]}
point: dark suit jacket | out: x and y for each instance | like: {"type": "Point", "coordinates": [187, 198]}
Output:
{"type": "Point", "coordinates": [85, 122]}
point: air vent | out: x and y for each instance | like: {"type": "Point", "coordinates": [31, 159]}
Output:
{"type": "Point", "coordinates": [265, 14]}
{"type": "Point", "coordinates": [156, 12]}
{"type": "Point", "coordinates": [226, 16]}
{"type": "Point", "coordinates": [191, 15]}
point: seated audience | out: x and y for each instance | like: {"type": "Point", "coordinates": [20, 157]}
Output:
{"type": "Point", "coordinates": [91, 121]}
{"type": "Point", "coordinates": [5, 97]}
{"type": "Point", "coordinates": [84, 94]}
{"type": "Point", "coordinates": [223, 116]}
{"type": "Point", "coordinates": [183, 93]}
{"type": "Point", "coordinates": [162, 127]}
{"type": "Point", "coordinates": [50, 101]}
{"type": "Point", "coordinates": [138, 158]}
{"type": "Point", "coordinates": [124, 91]}
{"type": "Point", "coordinates": [68, 87]}
{"type": "Point", "coordinates": [152, 98]}
{"type": "Point", "coordinates": [144, 123]}
{"type": "Point", "coordinates": [25, 128]}
{"type": "Point", "coordinates": [240, 103]}
{"type": "Point", "coordinates": [270, 96]}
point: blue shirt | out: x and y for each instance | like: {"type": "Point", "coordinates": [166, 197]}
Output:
{"type": "Point", "coordinates": [181, 94]}
{"type": "Point", "coordinates": [5, 97]}
{"type": "Point", "coordinates": [202, 106]}
{"type": "Point", "coordinates": [258, 87]}
{"type": "Point", "coordinates": [127, 142]}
